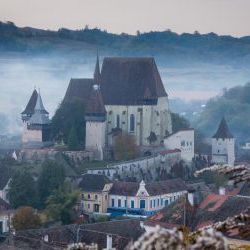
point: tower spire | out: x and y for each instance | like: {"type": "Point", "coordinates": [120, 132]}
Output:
{"type": "Point", "coordinates": [97, 74]}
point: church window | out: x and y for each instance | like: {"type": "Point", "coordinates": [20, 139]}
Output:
{"type": "Point", "coordinates": [132, 123]}
{"type": "Point", "coordinates": [118, 121]}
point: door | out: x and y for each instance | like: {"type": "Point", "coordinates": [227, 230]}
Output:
{"type": "Point", "coordinates": [142, 204]}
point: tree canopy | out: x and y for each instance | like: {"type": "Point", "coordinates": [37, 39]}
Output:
{"type": "Point", "coordinates": [61, 202]}
{"type": "Point", "coordinates": [234, 104]}
{"type": "Point", "coordinates": [22, 190]}
{"type": "Point", "coordinates": [26, 218]}
{"type": "Point", "coordinates": [69, 118]}
{"type": "Point", "coordinates": [52, 176]}
{"type": "Point", "coordinates": [125, 147]}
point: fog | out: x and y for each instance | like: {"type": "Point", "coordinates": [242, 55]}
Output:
{"type": "Point", "coordinates": [19, 76]}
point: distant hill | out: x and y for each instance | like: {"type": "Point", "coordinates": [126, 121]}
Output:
{"type": "Point", "coordinates": [210, 48]}
{"type": "Point", "coordinates": [234, 104]}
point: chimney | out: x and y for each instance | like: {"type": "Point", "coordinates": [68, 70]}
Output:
{"type": "Point", "coordinates": [222, 191]}
{"type": "Point", "coordinates": [191, 196]}
{"type": "Point", "coordinates": [109, 242]}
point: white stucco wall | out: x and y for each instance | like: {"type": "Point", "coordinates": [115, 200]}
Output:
{"type": "Point", "coordinates": [95, 137]}
{"type": "Point", "coordinates": [183, 140]}
{"type": "Point", "coordinates": [153, 203]}
{"type": "Point", "coordinates": [223, 151]}
{"type": "Point", "coordinates": [148, 118]}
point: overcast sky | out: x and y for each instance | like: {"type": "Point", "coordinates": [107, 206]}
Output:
{"type": "Point", "coordinates": [220, 16]}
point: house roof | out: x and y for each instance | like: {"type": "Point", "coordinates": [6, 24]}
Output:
{"type": "Point", "coordinates": [223, 130]}
{"type": "Point", "coordinates": [29, 110]}
{"type": "Point", "coordinates": [93, 182]}
{"type": "Point", "coordinates": [124, 188]}
{"type": "Point", "coordinates": [91, 233]}
{"type": "Point", "coordinates": [79, 89]}
{"type": "Point", "coordinates": [129, 80]}
{"type": "Point", "coordinates": [213, 208]}
{"type": "Point", "coordinates": [153, 188]}
{"type": "Point", "coordinates": [165, 187]}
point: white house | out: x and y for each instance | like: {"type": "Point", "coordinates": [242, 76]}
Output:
{"type": "Point", "coordinates": [144, 198]}
{"type": "Point", "coordinates": [223, 145]}
{"type": "Point", "coordinates": [4, 188]}
{"type": "Point", "coordinates": [183, 140]}
{"type": "Point", "coordinates": [5, 216]}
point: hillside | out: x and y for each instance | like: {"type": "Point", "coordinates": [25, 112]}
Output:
{"type": "Point", "coordinates": [177, 48]}
{"type": "Point", "coordinates": [234, 104]}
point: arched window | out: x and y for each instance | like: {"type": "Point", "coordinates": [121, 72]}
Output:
{"type": "Point", "coordinates": [118, 121]}
{"type": "Point", "coordinates": [132, 123]}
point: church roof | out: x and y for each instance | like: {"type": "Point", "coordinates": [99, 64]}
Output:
{"type": "Point", "coordinates": [79, 89]}
{"type": "Point", "coordinates": [40, 115]}
{"type": "Point", "coordinates": [30, 108]}
{"type": "Point", "coordinates": [97, 74]}
{"type": "Point", "coordinates": [125, 80]}
{"type": "Point", "coordinates": [95, 104]}
{"type": "Point", "coordinates": [223, 130]}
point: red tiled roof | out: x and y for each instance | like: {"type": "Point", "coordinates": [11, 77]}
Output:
{"type": "Point", "coordinates": [213, 202]}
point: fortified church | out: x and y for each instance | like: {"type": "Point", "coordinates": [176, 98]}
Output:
{"type": "Point", "coordinates": [125, 96]}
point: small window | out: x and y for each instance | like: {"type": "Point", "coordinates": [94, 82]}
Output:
{"type": "Point", "coordinates": [119, 203]}
{"type": "Point", "coordinates": [96, 197]}
{"type": "Point", "coordinates": [132, 204]}
{"type": "Point", "coordinates": [89, 197]}
{"type": "Point", "coordinates": [88, 206]}
{"type": "Point", "coordinates": [82, 196]}
{"type": "Point", "coordinates": [158, 202]}
{"type": "Point", "coordinates": [151, 203]}
{"type": "Point", "coordinates": [113, 202]}
{"type": "Point", "coordinates": [125, 203]}
{"type": "Point", "coordinates": [106, 197]}
{"type": "Point", "coordinates": [118, 121]}
{"type": "Point", "coordinates": [182, 143]}
{"type": "Point", "coordinates": [132, 123]}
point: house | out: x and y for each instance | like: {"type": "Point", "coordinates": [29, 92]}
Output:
{"type": "Point", "coordinates": [36, 123]}
{"type": "Point", "coordinates": [5, 216]}
{"type": "Point", "coordinates": [126, 96]}
{"type": "Point", "coordinates": [94, 193]}
{"type": "Point", "coordinates": [115, 234]}
{"type": "Point", "coordinates": [223, 145]}
{"type": "Point", "coordinates": [210, 209]}
{"type": "Point", "coordinates": [144, 198]}
{"type": "Point", "coordinates": [5, 178]}
{"type": "Point", "coordinates": [182, 140]}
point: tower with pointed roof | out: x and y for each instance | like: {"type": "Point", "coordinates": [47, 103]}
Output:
{"type": "Point", "coordinates": [95, 116]}
{"type": "Point", "coordinates": [36, 132]}
{"type": "Point", "coordinates": [223, 145]}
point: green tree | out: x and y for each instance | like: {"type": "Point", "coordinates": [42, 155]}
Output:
{"type": "Point", "coordinates": [52, 176]}
{"type": "Point", "coordinates": [73, 143]}
{"type": "Point", "coordinates": [26, 218]}
{"type": "Point", "coordinates": [179, 122]}
{"type": "Point", "coordinates": [23, 190]}
{"type": "Point", "coordinates": [68, 115]}
{"type": "Point", "coordinates": [125, 147]}
{"type": "Point", "coordinates": [61, 202]}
